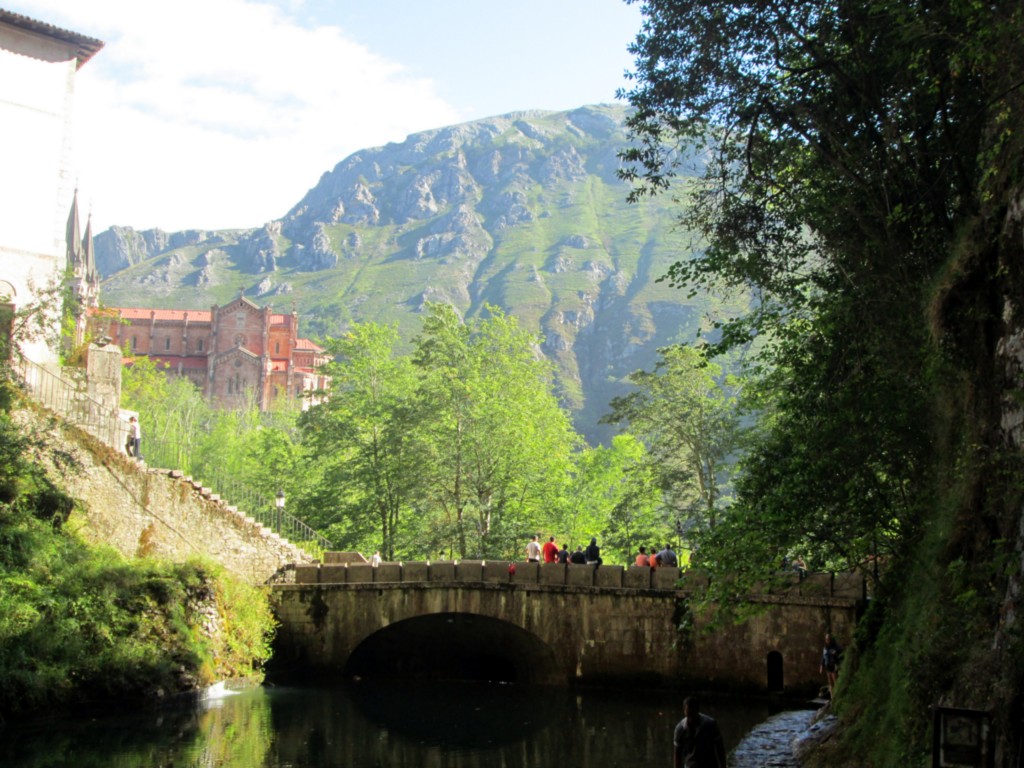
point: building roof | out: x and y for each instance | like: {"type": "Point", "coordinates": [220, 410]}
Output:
{"type": "Point", "coordinates": [144, 313]}
{"type": "Point", "coordinates": [193, 362]}
{"type": "Point", "coordinates": [307, 344]}
{"type": "Point", "coordinates": [87, 47]}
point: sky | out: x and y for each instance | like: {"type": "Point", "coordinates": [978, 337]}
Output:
{"type": "Point", "coordinates": [219, 114]}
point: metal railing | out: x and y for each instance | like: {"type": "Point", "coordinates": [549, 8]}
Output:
{"type": "Point", "coordinates": [67, 397]}
{"type": "Point", "coordinates": [255, 505]}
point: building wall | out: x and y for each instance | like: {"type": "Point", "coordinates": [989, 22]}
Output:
{"type": "Point", "coordinates": [37, 79]}
{"type": "Point", "coordinates": [237, 354]}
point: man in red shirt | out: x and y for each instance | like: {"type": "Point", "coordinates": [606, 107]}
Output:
{"type": "Point", "coordinates": [550, 550]}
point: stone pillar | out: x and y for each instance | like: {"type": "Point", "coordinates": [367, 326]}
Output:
{"type": "Point", "coordinates": [104, 374]}
{"type": "Point", "coordinates": [103, 377]}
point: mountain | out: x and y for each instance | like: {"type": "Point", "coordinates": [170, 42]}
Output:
{"type": "Point", "coordinates": [523, 211]}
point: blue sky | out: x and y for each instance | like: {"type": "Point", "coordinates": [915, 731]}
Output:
{"type": "Point", "coordinates": [223, 113]}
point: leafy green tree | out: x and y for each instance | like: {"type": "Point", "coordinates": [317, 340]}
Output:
{"type": "Point", "coordinates": [173, 413]}
{"type": "Point", "coordinates": [686, 414]}
{"type": "Point", "coordinates": [363, 440]}
{"type": "Point", "coordinates": [613, 496]}
{"type": "Point", "coordinates": [862, 175]}
{"type": "Point", "coordinates": [498, 445]}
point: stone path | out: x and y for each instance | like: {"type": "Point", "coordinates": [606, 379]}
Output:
{"type": "Point", "coordinates": [771, 744]}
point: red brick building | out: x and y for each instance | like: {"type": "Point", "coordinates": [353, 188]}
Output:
{"type": "Point", "coordinates": [235, 354]}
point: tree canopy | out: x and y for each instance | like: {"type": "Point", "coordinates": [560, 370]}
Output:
{"type": "Point", "coordinates": [863, 168]}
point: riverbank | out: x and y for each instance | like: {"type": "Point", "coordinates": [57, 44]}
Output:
{"type": "Point", "coordinates": [778, 741]}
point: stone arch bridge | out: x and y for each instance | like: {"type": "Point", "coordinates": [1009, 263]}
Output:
{"type": "Point", "coordinates": [552, 624]}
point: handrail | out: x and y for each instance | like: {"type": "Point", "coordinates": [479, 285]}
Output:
{"type": "Point", "coordinates": [255, 505]}
{"type": "Point", "coordinates": [68, 399]}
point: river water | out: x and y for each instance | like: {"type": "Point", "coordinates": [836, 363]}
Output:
{"type": "Point", "coordinates": [359, 725]}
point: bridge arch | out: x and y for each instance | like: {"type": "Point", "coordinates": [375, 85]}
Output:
{"type": "Point", "coordinates": [454, 646]}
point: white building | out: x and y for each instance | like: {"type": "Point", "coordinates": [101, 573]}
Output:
{"type": "Point", "coordinates": [38, 63]}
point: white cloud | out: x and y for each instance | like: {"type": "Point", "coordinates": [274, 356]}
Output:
{"type": "Point", "coordinates": [222, 113]}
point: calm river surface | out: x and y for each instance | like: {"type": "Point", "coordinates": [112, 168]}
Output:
{"type": "Point", "coordinates": [358, 725]}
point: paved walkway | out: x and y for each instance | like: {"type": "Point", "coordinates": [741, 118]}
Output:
{"type": "Point", "coordinates": [772, 743]}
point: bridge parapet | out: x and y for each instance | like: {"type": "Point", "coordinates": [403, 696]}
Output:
{"type": "Point", "coordinates": [825, 585]}
{"type": "Point", "coordinates": [484, 572]}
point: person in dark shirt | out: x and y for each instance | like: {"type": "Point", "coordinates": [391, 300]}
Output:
{"type": "Point", "coordinates": [577, 557]}
{"type": "Point", "coordinates": [668, 558]}
{"type": "Point", "coordinates": [563, 554]}
{"type": "Point", "coordinates": [593, 553]}
{"type": "Point", "coordinates": [697, 742]}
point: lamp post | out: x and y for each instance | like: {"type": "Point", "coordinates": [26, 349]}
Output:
{"type": "Point", "coordinates": [279, 503]}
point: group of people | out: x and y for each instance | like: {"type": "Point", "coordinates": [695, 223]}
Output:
{"type": "Point", "coordinates": [666, 558]}
{"type": "Point", "coordinates": [591, 554]}
{"type": "Point", "coordinates": [550, 553]}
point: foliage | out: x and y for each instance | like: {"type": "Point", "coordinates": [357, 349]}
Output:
{"type": "Point", "coordinates": [79, 624]}
{"type": "Point", "coordinates": [498, 444]}
{"type": "Point", "coordinates": [861, 169]}
{"type": "Point", "coordinates": [614, 497]}
{"type": "Point", "coordinates": [362, 438]}
{"type": "Point", "coordinates": [459, 448]}
{"type": "Point", "coordinates": [686, 414]}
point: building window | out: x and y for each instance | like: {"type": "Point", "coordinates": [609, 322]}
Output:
{"type": "Point", "coordinates": [277, 347]}
{"type": "Point", "coordinates": [200, 345]}
{"type": "Point", "coordinates": [167, 343]}
{"type": "Point", "coordinates": [134, 343]}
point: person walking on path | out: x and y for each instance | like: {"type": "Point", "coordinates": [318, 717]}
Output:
{"type": "Point", "coordinates": [697, 742]}
{"type": "Point", "coordinates": [134, 444]}
{"type": "Point", "coordinates": [831, 655]}
{"type": "Point", "coordinates": [533, 550]}
{"type": "Point", "coordinates": [550, 550]}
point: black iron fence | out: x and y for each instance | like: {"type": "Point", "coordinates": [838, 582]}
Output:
{"type": "Point", "coordinates": [65, 392]}
{"type": "Point", "coordinates": [257, 506]}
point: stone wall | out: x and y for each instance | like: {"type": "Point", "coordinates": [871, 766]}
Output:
{"type": "Point", "coordinates": [558, 625]}
{"type": "Point", "coordinates": [153, 513]}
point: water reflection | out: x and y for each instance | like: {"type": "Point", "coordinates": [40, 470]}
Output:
{"type": "Point", "coordinates": [436, 725]}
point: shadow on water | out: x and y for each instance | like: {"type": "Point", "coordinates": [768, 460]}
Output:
{"type": "Point", "coordinates": [390, 723]}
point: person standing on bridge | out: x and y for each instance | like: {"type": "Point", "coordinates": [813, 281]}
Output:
{"type": "Point", "coordinates": [550, 550]}
{"type": "Point", "coordinates": [697, 742]}
{"type": "Point", "coordinates": [593, 553]}
{"type": "Point", "coordinates": [641, 559]}
{"type": "Point", "coordinates": [533, 550]}
{"type": "Point", "coordinates": [667, 557]}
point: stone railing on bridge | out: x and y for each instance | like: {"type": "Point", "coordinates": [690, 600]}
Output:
{"type": "Point", "coordinates": [342, 568]}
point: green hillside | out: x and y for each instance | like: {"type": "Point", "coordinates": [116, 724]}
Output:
{"type": "Point", "coordinates": [523, 211]}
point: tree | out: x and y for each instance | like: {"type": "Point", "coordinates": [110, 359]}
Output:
{"type": "Point", "coordinates": [687, 416]}
{"type": "Point", "coordinates": [498, 445]}
{"type": "Point", "coordinates": [363, 441]}
{"type": "Point", "coordinates": [614, 496]}
{"type": "Point", "coordinates": [863, 176]}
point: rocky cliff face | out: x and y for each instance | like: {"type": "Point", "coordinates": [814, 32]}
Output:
{"type": "Point", "coordinates": [523, 211]}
